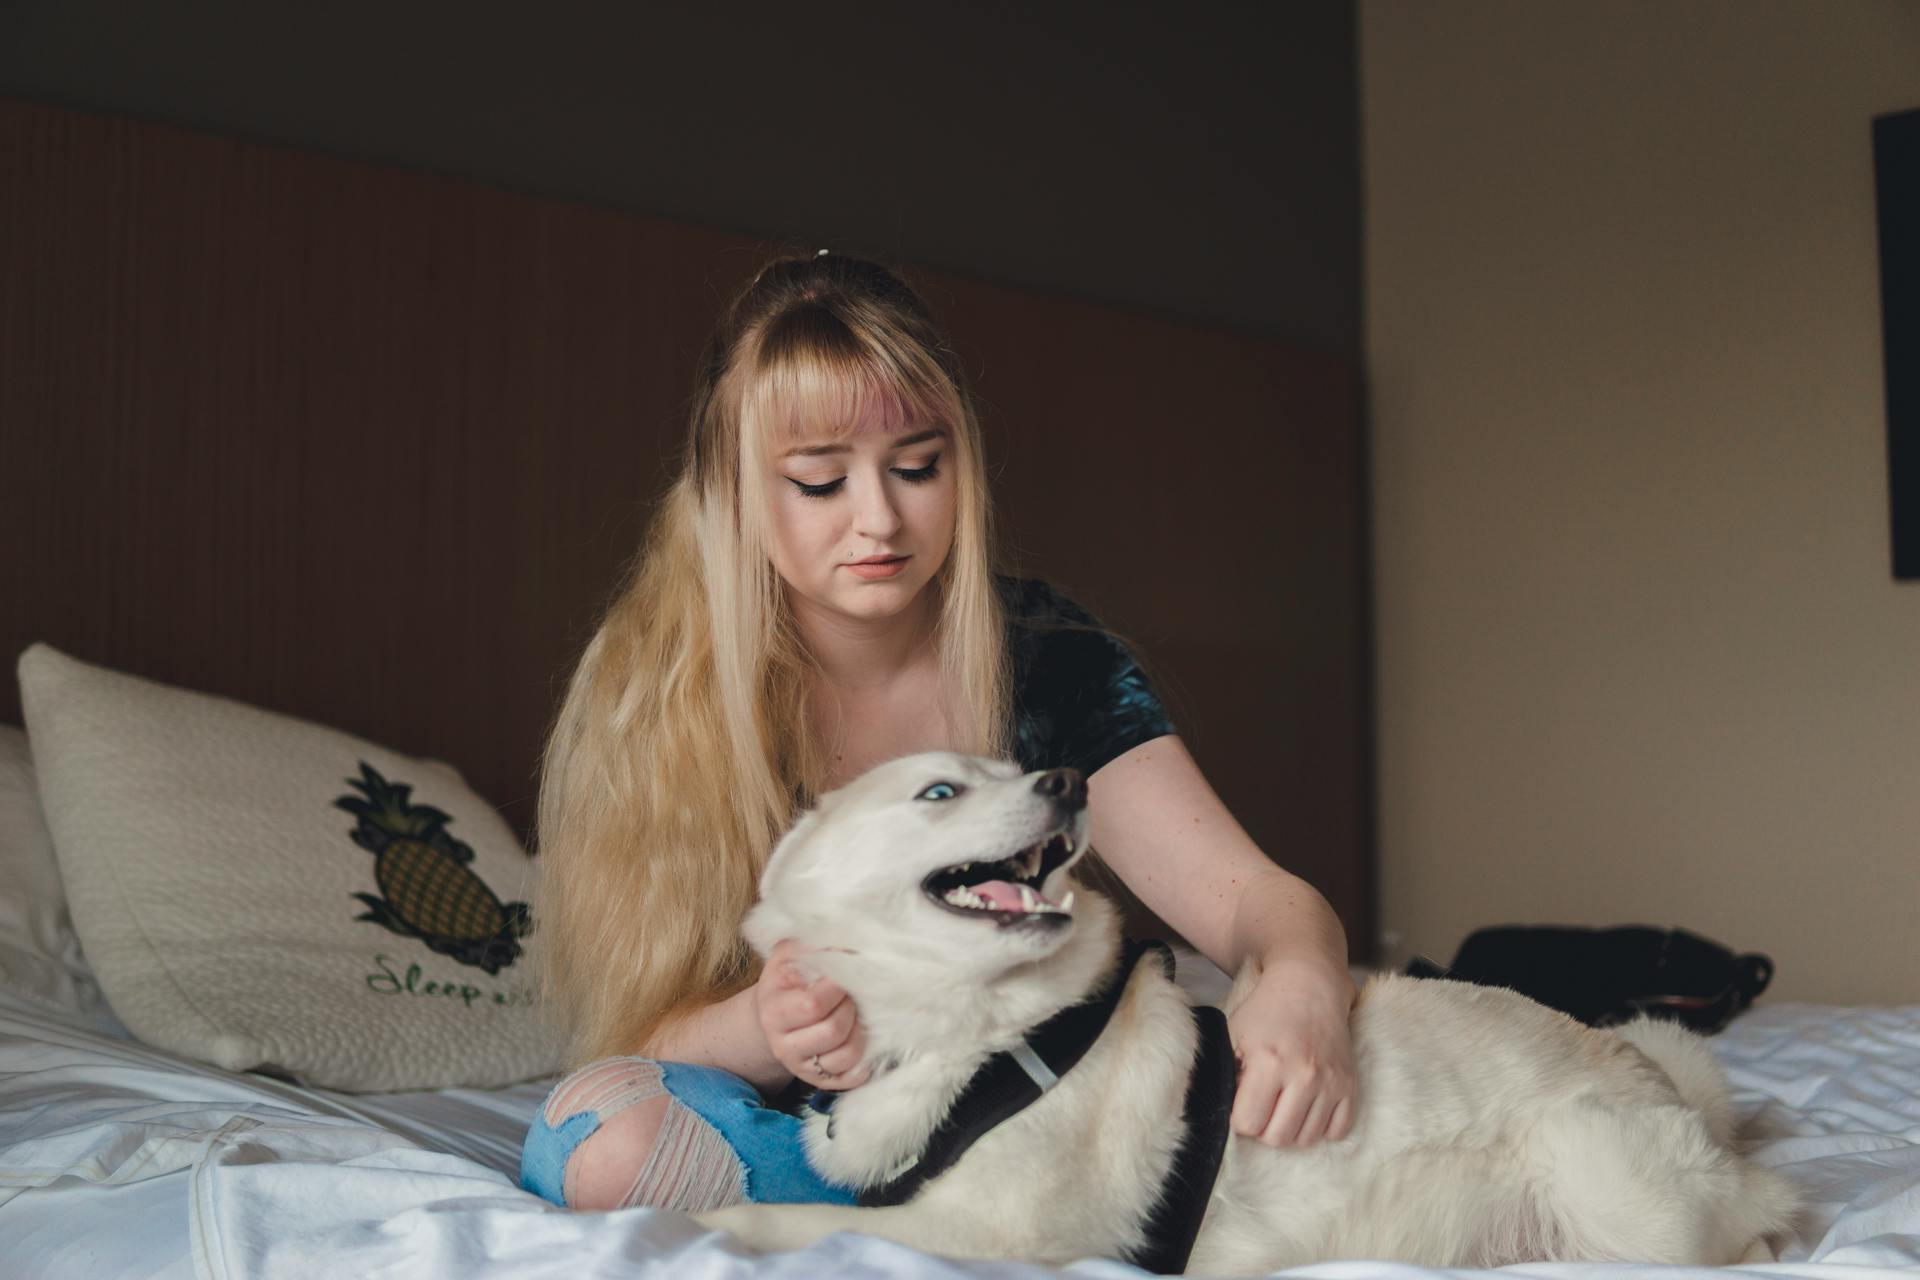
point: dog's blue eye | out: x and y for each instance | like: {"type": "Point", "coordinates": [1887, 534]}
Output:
{"type": "Point", "coordinates": [939, 791]}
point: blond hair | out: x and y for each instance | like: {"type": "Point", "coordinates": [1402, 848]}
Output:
{"type": "Point", "coordinates": [681, 750]}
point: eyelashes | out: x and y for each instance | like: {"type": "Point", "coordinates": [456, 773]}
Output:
{"type": "Point", "coordinates": [912, 475]}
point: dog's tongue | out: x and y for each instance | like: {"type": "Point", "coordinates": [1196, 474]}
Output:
{"type": "Point", "coordinates": [1001, 894]}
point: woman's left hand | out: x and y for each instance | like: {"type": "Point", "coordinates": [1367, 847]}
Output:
{"type": "Point", "coordinates": [1296, 1058]}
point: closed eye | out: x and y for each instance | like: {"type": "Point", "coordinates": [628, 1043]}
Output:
{"type": "Point", "coordinates": [912, 475]}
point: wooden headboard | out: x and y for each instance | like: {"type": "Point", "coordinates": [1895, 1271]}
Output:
{"type": "Point", "coordinates": [371, 447]}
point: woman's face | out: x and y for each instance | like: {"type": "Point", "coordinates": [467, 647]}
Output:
{"type": "Point", "coordinates": [858, 526]}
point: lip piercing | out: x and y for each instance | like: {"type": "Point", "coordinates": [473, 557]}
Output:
{"type": "Point", "coordinates": [822, 1071]}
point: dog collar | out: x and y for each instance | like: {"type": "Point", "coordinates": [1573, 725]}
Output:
{"type": "Point", "coordinates": [1012, 1080]}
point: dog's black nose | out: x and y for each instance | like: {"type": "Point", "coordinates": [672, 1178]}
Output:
{"type": "Point", "coordinates": [1065, 785]}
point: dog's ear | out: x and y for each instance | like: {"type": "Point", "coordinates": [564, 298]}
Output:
{"type": "Point", "coordinates": [768, 921]}
{"type": "Point", "coordinates": [783, 851]}
{"type": "Point", "coordinates": [764, 926]}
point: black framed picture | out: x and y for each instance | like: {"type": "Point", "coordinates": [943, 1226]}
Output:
{"type": "Point", "coordinates": [1896, 166]}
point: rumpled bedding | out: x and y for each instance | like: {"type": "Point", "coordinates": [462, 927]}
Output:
{"type": "Point", "coordinates": [120, 1160]}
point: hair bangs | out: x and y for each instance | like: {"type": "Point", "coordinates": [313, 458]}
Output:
{"type": "Point", "coordinates": [816, 381]}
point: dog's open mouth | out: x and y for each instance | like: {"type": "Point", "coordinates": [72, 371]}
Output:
{"type": "Point", "coordinates": [1007, 890]}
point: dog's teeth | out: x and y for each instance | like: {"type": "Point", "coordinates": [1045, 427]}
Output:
{"type": "Point", "coordinates": [1068, 841]}
{"type": "Point", "coordinates": [1027, 899]}
{"type": "Point", "coordinates": [1066, 903]}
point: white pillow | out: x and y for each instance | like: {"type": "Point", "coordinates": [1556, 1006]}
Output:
{"type": "Point", "coordinates": [39, 951]}
{"type": "Point", "coordinates": [268, 894]}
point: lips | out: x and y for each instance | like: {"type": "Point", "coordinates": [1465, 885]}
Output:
{"type": "Point", "coordinates": [879, 566]}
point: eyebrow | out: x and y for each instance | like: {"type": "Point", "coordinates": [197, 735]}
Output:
{"type": "Point", "coordinates": [816, 450]}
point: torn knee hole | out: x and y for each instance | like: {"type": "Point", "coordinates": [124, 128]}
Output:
{"type": "Point", "coordinates": [605, 1088]}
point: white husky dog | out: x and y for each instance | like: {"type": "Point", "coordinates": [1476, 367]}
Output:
{"type": "Point", "coordinates": [936, 890]}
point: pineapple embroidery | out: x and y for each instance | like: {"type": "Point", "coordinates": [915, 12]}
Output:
{"type": "Point", "coordinates": [428, 891]}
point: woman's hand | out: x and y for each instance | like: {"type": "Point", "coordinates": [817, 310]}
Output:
{"type": "Point", "coordinates": [812, 1029]}
{"type": "Point", "coordinates": [1296, 1058]}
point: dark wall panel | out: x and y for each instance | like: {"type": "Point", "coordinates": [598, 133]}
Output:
{"type": "Point", "coordinates": [370, 447]}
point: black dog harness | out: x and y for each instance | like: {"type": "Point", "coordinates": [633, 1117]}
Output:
{"type": "Point", "coordinates": [1010, 1081]}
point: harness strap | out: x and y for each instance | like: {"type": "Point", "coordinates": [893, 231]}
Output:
{"type": "Point", "coordinates": [1004, 1085]}
{"type": "Point", "coordinates": [1175, 1223]}
{"type": "Point", "coordinates": [1010, 1081]}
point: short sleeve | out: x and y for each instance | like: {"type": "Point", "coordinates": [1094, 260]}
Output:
{"type": "Point", "coordinates": [1080, 697]}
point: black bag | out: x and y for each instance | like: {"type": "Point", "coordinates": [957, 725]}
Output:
{"type": "Point", "coordinates": [1606, 976]}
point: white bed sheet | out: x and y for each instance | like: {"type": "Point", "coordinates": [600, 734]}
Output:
{"type": "Point", "coordinates": [120, 1160]}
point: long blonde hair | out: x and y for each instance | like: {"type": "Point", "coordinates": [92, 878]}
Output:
{"type": "Point", "coordinates": [682, 750]}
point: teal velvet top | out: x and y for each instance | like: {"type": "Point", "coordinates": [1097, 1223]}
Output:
{"type": "Point", "coordinates": [1080, 697]}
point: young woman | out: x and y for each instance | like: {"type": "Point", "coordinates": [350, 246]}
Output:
{"type": "Point", "coordinates": [816, 595]}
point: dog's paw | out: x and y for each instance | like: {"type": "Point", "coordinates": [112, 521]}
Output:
{"type": "Point", "coordinates": [737, 1220]}
{"type": "Point", "coordinates": [727, 1219]}
{"type": "Point", "coordinates": [777, 1228]}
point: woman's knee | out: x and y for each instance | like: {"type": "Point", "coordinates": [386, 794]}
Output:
{"type": "Point", "coordinates": [640, 1146]}
{"type": "Point", "coordinates": [605, 1171]}
{"type": "Point", "coordinates": [602, 1116]}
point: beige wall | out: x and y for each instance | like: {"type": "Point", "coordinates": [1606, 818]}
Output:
{"type": "Point", "coordinates": [1640, 654]}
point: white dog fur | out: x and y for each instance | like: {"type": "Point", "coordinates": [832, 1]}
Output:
{"type": "Point", "coordinates": [1488, 1129]}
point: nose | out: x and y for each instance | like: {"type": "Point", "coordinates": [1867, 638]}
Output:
{"type": "Point", "coordinates": [1068, 786]}
{"type": "Point", "coordinates": [875, 517]}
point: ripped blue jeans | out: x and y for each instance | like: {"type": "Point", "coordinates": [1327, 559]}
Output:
{"type": "Point", "coordinates": [719, 1142]}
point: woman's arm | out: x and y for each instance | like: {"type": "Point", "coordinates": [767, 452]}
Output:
{"type": "Point", "coordinates": [777, 1029]}
{"type": "Point", "coordinates": [1162, 828]}
{"type": "Point", "coordinates": [725, 1035]}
